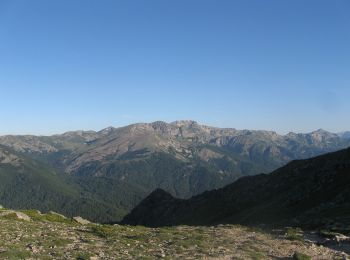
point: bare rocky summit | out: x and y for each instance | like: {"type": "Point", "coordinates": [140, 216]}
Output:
{"type": "Point", "coordinates": [185, 139]}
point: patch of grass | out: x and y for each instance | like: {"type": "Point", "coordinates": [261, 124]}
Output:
{"type": "Point", "coordinates": [15, 253]}
{"type": "Point", "coordinates": [294, 234]}
{"type": "Point", "coordinates": [12, 216]}
{"type": "Point", "coordinates": [253, 252]}
{"type": "Point", "coordinates": [35, 215]}
{"type": "Point", "coordinates": [301, 256]}
{"type": "Point", "coordinates": [103, 231]}
{"type": "Point", "coordinates": [56, 218]}
{"type": "Point", "coordinates": [60, 242]}
{"type": "Point", "coordinates": [256, 255]}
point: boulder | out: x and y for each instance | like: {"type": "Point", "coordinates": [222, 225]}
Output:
{"type": "Point", "coordinates": [81, 220]}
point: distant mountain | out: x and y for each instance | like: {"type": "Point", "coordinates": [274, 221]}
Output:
{"type": "Point", "coordinates": [345, 135]}
{"type": "Point", "coordinates": [313, 193]}
{"type": "Point", "coordinates": [120, 166]}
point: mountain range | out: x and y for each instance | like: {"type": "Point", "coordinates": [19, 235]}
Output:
{"type": "Point", "coordinates": [312, 193]}
{"type": "Point", "coordinates": [103, 175]}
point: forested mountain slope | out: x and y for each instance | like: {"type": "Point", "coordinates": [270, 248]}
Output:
{"type": "Point", "coordinates": [312, 193]}
{"type": "Point", "coordinates": [115, 168]}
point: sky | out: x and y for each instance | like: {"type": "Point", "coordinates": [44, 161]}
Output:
{"type": "Point", "coordinates": [281, 65]}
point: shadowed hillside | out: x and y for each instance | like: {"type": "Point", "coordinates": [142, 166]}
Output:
{"type": "Point", "coordinates": [312, 193]}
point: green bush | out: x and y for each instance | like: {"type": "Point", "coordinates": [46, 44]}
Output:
{"type": "Point", "coordinates": [294, 234]}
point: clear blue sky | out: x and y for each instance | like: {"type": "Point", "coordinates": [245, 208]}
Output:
{"type": "Point", "coordinates": [272, 64]}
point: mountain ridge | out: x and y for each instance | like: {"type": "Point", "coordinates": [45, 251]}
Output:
{"type": "Point", "coordinates": [311, 193]}
{"type": "Point", "coordinates": [123, 165]}
{"type": "Point", "coordinates": [178, 123]}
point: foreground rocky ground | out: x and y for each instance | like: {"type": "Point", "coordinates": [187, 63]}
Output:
{"type": "Point", "coordinates": [51, 236]}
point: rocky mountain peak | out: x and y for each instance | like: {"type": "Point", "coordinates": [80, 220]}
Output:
{"type": "Point", "coordinates": [186, 123]}
{"type": "Point", "coordinates": [321, 135]}
{"type": "Point", "coordinates": [160, 125]}
{"type": "Point", "coordinates": [106, 130]}
{"type": "Point", "coordinates": [320, 131]}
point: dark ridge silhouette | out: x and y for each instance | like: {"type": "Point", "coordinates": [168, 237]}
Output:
{"type": "Point", "coordinates": [311, 193]}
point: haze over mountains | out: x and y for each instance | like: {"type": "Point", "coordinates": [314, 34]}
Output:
{"type": "Point", "coordinates": [112, 170]}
